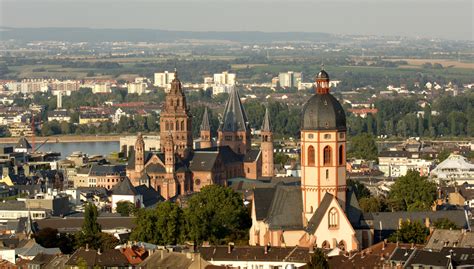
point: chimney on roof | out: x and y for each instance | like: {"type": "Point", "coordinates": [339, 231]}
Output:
{"type": "Point", "coordinates": [311, 248]}
{"type": "Point", "coordinates": [384, 244]}
{"type": "Point", "coordinates": [99, 251]}
{"type": "Point", "coordinates": [267, 247]}
{"type": "Point", "coordinates": [87, 247]}
{"type": "Point", "coordinates": [230, 247]}
{"type": "Point", "coordinates": [427, 222]}
{"type": "Point", "coordinates": [412, 245]}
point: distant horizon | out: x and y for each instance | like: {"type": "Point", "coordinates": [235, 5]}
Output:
{"type": "Point", "coordinates": [6, 27]}
{"type": "Point", "coordinates": [445, 19]}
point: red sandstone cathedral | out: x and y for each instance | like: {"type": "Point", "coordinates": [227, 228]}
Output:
{"type": "Point", "coordinates": [179, 169]}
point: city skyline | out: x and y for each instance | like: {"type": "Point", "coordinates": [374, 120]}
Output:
{"type": "Point", "coordinates": [421, 18]}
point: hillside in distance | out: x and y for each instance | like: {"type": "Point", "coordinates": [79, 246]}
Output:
{"type": "Point", "coordinates": [150, 35]}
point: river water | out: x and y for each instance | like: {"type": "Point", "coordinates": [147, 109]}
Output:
{"type": "Point", "coordinates": [91, 148]}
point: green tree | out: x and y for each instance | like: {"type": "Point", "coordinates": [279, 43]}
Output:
{"type": "Point", "coordinates": [163, 225]}
{"type": "Point", "coordinates": [318, 260]}
{"type": "Point", "coordinates": [370, 204]}
{"type": "Point", "coordinates": [217, 214]}
{"type": "Point", "coordinates": [410, 232]}
{"type": "Point", "coordinates": [412, 192]}
{"type": "Point", "coordinates": [445, 223]}
{"type": "Point", "coordinates": [91, 230]}
{"type": "Point", "coordinates": [443, 155]}
{"type": "Point", "coordinates": [362, 146]}
{"type": "Point", "coordinates": [107, 241]}
{"type": "Point", "coordinates": [359, 189]}
{"type": "Point", "coordinates": [125, 208]}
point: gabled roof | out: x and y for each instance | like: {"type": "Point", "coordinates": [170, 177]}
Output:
{"type": "Point", "coordinates": [263, 198]}
{"type": "Point", "coordinates": [428, 259]}
{"type": "Point", "coordinates": [203, 160]}
{"type": "Point", "coordinates": [155, 168]}
{"type": "Point", "coordinates": [390, 220]}
{"type": "Point", "coordinates": [23, 144]}
{"type": "Point", "coordinates": [286, 207]}
{"type": "Point", "coordinates": [256, 253]}
{"type": "Point", "coordinates": [235, 118]}
{"type": "Point", "coordinates": [205, 126]}
{"type": "Point", "coordinates": [319, 213]}
{"type": "Point", "coordinates": [32, 249]}
{"type": "Point", "coordinates": [105, 170]}
{"type": "Point", "coordinates": [124, 187]}
{"type": "Point", "coordinates": [150, 196]}
{"type": "Point", "coordinates": [252, 155]}
{"type": "Point", "coordinates": [108, 258]}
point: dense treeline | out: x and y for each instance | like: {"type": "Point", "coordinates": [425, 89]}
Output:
{"type": "Point", "coordinates": [215, 214]}
{"type": "Point", "coordinates": [403, 117]}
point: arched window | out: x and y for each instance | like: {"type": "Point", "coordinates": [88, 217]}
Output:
{"type": "Point", "coordinates": [327, 173]}
{"type": "Point", "coordinates": [326, 245]}
{"type": "Point", "coordinates": [333, 218]}
{"type": "Point", "coordinates": [177, 125]}
{"type": "Point", "coordinates": [342, 245]}
{"type": "Point", "coordinates": [341, 154]}
{"type": "Point", "coordinates": [310, 156]}
{"type": "Point", "coordinates": [327, 155]}
{"type": "Point", "coordinates": [167, 124]}
{"type": "Point", "coordinates": [182, 125]}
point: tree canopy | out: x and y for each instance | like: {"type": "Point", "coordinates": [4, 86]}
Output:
{"type": "Point", "coordinates": [215, 214]}
{"type": "Point", "coordinates": [410, 232]}
{"type": "Point", "coordinates": [125, 208]}
{"type": "Point", "coordinates": [445, 223]}
{"type": "Point", "coordinates": [162, 225]}
{"type": "Point", "coordinates": [318, 260]}
{"type": "Point", "coordinates": [362, 146]}
{"type": "Point", "coordinates": [412, 192]}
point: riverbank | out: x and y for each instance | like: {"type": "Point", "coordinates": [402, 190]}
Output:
{"type": "Point", "coordinates": [64, 139]}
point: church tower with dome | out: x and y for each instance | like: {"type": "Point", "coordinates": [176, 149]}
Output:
{"type": "Point", "coordinates": [320, 211]}
{"type": "Point", "coordinates": [323, 147]}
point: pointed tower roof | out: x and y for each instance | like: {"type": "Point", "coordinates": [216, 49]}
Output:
{"type": "Point", "coordinates": [266, 122]}
{"type": "Point", "coordinates": [235, 118]}
{"type": "Point", "coordinates": [205, 126]}
{"type": "Point", "coordinates": [23, 143]}
{"type": "Point", "coordinates": [176, 84]}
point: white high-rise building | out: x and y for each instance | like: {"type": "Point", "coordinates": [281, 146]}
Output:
{"type": "Point", "coordinates": [59, 95]}
{"type": "Point", "coordinates": [224, 78]}
{"type": "Point", "coordinates": [290, 79]}
{"type": "Point", "coordinates": [223, 83]}
{"type": "Point", "coordinates": [163, 79]}
{"type": "Point", "coordinates": [137, 87]}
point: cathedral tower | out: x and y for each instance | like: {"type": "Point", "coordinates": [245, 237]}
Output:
{"type": "Point", "coordinates": [139, 153]}
{"type": "Point", "coordinates": [176, 119]}
{"type": "Point", "coordinates": [323, 147]}
{"type": "Point", "coordinates": [267, 147]}
{"type": "Point", "coordinates": [205, 131]}
{"type": "Point", "coordinates": [234, 130]}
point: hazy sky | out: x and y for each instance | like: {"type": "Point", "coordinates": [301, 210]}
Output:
{"type": "Point", "coordinates": [451, 19]}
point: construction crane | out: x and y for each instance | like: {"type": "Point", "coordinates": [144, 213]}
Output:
{"type": "Point", "coordinates": [44, 142]}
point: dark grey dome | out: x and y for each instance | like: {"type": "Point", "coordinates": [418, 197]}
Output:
{"type": "Point", "coordinates": [322, 74]}
{"type": "Point", "coordinates": [323, 112]}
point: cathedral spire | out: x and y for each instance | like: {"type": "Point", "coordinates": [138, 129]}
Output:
{"type": "Point", "coordinates": [205, 126]}
{"type": "Point", "coordinates": [235, 118]}
{"type": "Point", "coordinates": [205, 131]}
{"type": "Point", "coordinates": [266, 146]}
{"type": "Point", "coordinates": [266, 121]}
{"type": "Point", "coordinates": [234, 130]}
